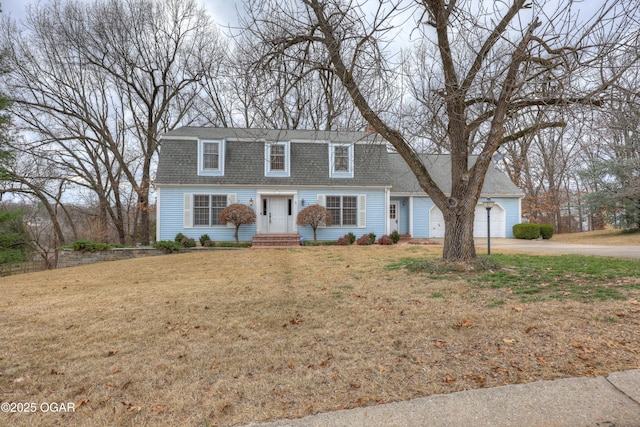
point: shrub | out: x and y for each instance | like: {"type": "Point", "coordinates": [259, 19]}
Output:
{"type": "Point", "coordinates": [89, 246]}
{"type": "Point", "coordinates": [363, 240]}
{"type": "Point", "coordinates": [188, 242]}
{"type": "Point", "coordinates": [314, 216]}
{"type": "Point", "coordinates": [168, 246]}
{"type": "Point", "coordinates": [395, 236]}
{"type": "Point", "coordinates": [366, 239]}
{"type": "Point", "coordinates": [526, 231]}
{"type": "Point", "coordinates": [209, 244]}
{"type": "Point", "coordinates": [385, 240]}
{"type": "Point", "coordinates": [204, 238]}
{"type": "Point", "coordinates": [179, 237]}
{"type": "Point", "coordinates": [347, 239]}
{"type": "Point", "coordinates": [238, 214]}
{"type": "Point", "coordinates": [546, 231]}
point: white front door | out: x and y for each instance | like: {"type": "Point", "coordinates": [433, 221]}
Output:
{"type": "Point", "coordinates": [394, 217]}
{"type": "Point", "coordinates": [277, 214]}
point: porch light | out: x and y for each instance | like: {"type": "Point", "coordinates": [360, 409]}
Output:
{"type": "Point", "coordinates": [302, 202]}
{"type": "Point", "coordinates": [488, 204]}
{"type": "Point", "coordinates": [251, 201]}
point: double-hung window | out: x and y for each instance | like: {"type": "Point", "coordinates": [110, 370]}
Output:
{"type": "Point", "coordinates": [207, 208]}
{"type": "Point", "coordinates": [343, 210]}
{"type": "Point", "coordinates": [277, 159]}
{"type": "Point", "coordinates": [211, 158]}
{"type": "Point", "coordinates": [341, 160]}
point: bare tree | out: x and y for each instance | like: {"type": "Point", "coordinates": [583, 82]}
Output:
{"type": "Point", "coordinates": [314, 216]}
{"type": "Point", "coordinates": [238, 214]}
{"type": "Point", "coordinates": [492, 61]}
{"type": "Point", "coordinates": [102, 81]}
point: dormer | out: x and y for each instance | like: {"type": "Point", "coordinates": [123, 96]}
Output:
{"type": "Point", "coordinates": [340, 160]}
{"type": "Point", "coordinates": [277, 159]}
{"type": "Point", "coordinates": [211, 157]}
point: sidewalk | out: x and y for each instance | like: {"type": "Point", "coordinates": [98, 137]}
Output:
{"type": "Point", "coordinates": [575, 402]}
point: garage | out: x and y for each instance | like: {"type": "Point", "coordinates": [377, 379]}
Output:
{"type": "Point", "coordinates": [436, 222]}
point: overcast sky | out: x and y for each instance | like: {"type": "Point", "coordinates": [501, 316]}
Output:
{"type": "Point", "coordinates": [222, 11]}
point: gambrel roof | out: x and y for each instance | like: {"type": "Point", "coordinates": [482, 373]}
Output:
{"type": "Point", "coordinates": [374, 164]}
{"type": "Point", "coordinates": [245, 156]}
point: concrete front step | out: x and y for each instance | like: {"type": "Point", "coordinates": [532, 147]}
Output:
{"type": "Point", "coordinates": [262, 240]}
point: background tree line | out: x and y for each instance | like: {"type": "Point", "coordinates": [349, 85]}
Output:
{"type": "Point", "coordinates": [536, 88]}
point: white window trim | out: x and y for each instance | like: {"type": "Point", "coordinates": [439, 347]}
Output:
{"type": "Point", "coordinates": [189, 211]}
{"type": "Point", "coordinates": [332, 170]}
{"type": "Point", "coordinates": [287, 160]}
{"type": "Point", "coordinates": [221, 155]}
{"type": "Point", "coordinates": [361, 213]}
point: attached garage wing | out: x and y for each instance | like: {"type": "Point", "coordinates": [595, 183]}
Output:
{"type": "Point", "coordinates": [498, 229]}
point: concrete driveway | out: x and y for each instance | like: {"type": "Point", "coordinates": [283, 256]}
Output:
{"type": "Point", "coordinates": [551, 247]}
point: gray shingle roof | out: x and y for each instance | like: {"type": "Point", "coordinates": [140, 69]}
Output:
{"type": "Point", "coordinates": [244, 157]}
{"type": "Point", "coordinates": [403, 180]}
{"type": "Point", "coordinates": [244, 161]}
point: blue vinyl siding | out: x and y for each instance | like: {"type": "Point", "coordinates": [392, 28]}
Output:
{"type": "Point", "coordinates": [375, 213]}
{"type": "Point", "coordinates": [423, 205]}
{"type": "Point", "coordinates": [511, 205]}
{"type": "Point", "coordinates": [421, 208]}
{"type": "Point", "coordinates": [171, 209]}
{"type": "Point", "coordinates": [403, 214]}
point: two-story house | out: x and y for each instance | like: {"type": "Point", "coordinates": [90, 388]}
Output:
{"type": "Point", "coordinates": [365, 187]}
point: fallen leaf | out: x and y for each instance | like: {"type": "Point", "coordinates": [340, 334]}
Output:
{"type": "Point", "coordinates": [382, 369]}
{"type": "Point", "coordinates": [464, 323]}
{"type": "Point", "coordinates": [541, 359]}
{"type": "Point", "coordinates": [508, 340]}
{"type": "Point", "coordinates": [439, 343]}
{"type": "Point", "coordinates": [81, 403]}
{"type": "Point", "coordinates": [116, 369]}
{"type": "Point", "coordinates": [447, 380]}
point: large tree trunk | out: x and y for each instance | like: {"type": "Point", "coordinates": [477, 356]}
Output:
{"type": "Point", "coordinates": [458, 236]}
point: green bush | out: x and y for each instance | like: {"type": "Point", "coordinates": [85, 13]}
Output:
{"type": "Point", "coordinates": [352, 238]}
{"type": "Point", "coordinates": [526, 231]}
{"type": "Point", "coordinates": [546, 231]}
{"type": "Point", "coordinates": [90, 246]}
{"type": "Point", "coordinates": [179, 237]}
{"type": "Point", "coordinates": [395, 236]}
{"type": "Point", "coordinates": [203, 239]}
{"type": "Point", "coordinates": [168, 246]}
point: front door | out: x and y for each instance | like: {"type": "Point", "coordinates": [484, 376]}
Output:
{"type": "Point", "coordinates": [393, 217]}
{"type": "Point", "coordinates": [277, 214]}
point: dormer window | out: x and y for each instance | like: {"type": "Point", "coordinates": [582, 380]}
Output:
{"type": "Point", "coordinates": [341, 160]}
{"type": "Point", "coordinates": [277, 159]}
{"type": "Point", "coordinates": [211, 158]}
{"type": "Point", "coordinates": [211, 155]}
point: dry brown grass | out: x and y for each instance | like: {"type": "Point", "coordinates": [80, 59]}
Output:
{"type": "Point", "coordinates": [232, 337]}
{"type": "Point", "coordinates": [600, 237]}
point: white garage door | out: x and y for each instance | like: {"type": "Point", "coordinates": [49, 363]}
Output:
{"type": "Point", "coordinates": [436, 222]}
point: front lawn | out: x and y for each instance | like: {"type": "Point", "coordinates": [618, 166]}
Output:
{"type": "Point", "coordinates": [232, 337]}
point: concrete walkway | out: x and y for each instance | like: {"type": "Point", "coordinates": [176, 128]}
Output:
{"type": "Point", "coordinates": [551, 247]}
{"type": "Point", "coordinates": [613, 401]}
